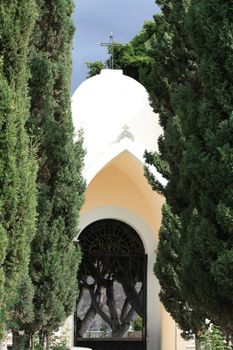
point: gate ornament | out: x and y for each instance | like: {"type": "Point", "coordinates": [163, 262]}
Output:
{"type": "Point", "coordinates": [110, 238]}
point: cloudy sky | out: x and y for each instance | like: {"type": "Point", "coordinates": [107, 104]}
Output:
{"type": "Point", "coordinates": [95, 20]}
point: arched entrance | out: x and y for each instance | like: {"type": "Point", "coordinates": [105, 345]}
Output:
{"type": "Point", "coordinates": [112, 279]}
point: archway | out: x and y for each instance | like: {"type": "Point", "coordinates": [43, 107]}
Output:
{"type": "Point", "coordinates": [112, 280]}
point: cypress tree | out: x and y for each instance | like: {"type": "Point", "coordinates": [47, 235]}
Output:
{"type": "Point", "coordinates": [54, 258]}
{"type": "Point", "coordinates": [173, 66]}
{"type": "Point", "coordinates": [193, 61]}
{"type": "Point", "coordinates": [17, 163]}
{"type": "Point", "coordinates": [213, 339]}
{"type": "Point", "coordinates": [168, 270]}
{"type": "Point", "coordinates": [207, 121]}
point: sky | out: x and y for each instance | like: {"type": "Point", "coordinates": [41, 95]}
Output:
{"type": "Point", "coordinates": [95, 20]}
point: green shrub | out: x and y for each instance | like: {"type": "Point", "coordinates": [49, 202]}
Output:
{"type": "Point", "coordinates": [56, 343]}
{"type": "Point", "coordinates": [214, 340]}
{"type": "Point", "coordinates": [137, 324]}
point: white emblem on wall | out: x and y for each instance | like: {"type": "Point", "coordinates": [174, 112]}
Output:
{"type": "Point", "coordinates": [125, 134]}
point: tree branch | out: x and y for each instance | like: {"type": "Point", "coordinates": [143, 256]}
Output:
{"type": "Point", "coordinates": [104, 316]}
{"type": "Point", "coordinates": [112, 304]}
{"type": "Point", "coordinates": [80, 297]}
{"type": "Point", "coordinates": [96, 273]}
{"type": "Point", "coordinates": [130, 315]}
{"type": "Point", "coordinates": [124, 310]}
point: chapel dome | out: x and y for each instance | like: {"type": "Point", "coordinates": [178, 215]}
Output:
{"type": "Point", "coordinates": [106, 103]}
{"type": "Point", "coordinates": [109, 93]}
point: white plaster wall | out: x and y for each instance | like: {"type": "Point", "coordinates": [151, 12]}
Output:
{"type": "Point", "coordinates": [103, 104]}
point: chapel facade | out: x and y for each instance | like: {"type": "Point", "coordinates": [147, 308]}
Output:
{"type": "Point", "coordinates": [118, 125]}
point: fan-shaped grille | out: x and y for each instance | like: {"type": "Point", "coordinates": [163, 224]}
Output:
{"type": "Point", "coordinates": [110, 238]}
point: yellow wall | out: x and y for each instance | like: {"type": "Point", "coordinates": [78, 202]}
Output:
{"type": "Point", "coordinates": [123, 184]}
{"type": "Point", "coordinates": [170, 334]}
{"type": "Point", "coordinates": [168, 331]}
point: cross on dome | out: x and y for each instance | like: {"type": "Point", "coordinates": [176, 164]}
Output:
{"type": "Point", "coordinates": [110, 45]}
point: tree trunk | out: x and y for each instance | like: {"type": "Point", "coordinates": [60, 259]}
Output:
{"type": "Point", "coordinates": [47, 341]}
{"type": "Point", "coordinates": [197, 343]}
{"type": "Point", "coordinates": [134, 298]}
{"type": "Point", "coordinates": [97, 298]}
{"type": "Point", "coordinates": [41, 340]}
{"type": "Point", "coordinates": [111, 303]}
{"type": "Point", "coordinates": [121, 331]}
{"type": "Point", "coordinates": [28, 341]}
{"type": "Point", "coordinates": [31, 342]}
{"type": "Point", "coordinates": [87, 320]}
{"type": "Point", "coordinates": [20, 341]}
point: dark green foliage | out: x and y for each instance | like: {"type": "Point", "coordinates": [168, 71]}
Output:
{"type": "Point", "coordinates": [94, 68]}
{"type": "Point", "coordinates": [54, 258]}
{"type": "Point", "coordinates": [173, 65]}
{"type": "Point", "coordinates": [17, 164]}
{"type": "Point", "coordinates": [23, 312]}
{"type": "Point", "coordinates": [209, 161]}
{"type": "Point", "coordinates": [213, 339]}
{"type": "Point", "coordinates": [23, 309]}
{"type": "Point", "coordinates": [168, 270]}
{"type": "Point", "coordinates": [190, 85]}
{"type": "Point", "coordinates": [133, 57]}
{"type": "Point", "coordinates": [137, 324]}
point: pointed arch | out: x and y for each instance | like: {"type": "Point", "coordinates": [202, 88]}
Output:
{"type": "Point", "coordinates": [111, 153]}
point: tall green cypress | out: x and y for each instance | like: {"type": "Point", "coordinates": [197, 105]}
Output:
{"type": "Point", "coordinates": [207, 121]}
{"type": "Point", "coordinates": [191, 88]}
{"type": "Point", "coordinates": [174, 64]}
{"type": "Point", "coordinates": [17, 164]}
{"type": "Point", "coordinates": [168, 270]}
{"type": "Point", "coordinates": [54, 258]}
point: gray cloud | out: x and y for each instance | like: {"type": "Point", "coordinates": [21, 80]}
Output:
{"type": "Point", "coordinates": [95, 19]}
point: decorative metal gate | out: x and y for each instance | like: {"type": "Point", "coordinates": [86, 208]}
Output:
{"type": "Point", "coordinates": [112, 275]}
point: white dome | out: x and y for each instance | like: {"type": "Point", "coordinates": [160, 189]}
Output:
{"type": "Point", "coordinates": [110, 107]}
{"type": "Point", "coordinates": [111, 96]}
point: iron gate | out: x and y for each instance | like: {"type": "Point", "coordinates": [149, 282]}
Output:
{"type": "Point", "coordinates": [112, 253]}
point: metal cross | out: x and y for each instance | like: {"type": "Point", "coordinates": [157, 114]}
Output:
{"type": "Point", "coordinates": [110, 45]}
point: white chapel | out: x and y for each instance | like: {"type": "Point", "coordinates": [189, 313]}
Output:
{"type": "Point", "coordinates": [118, 125]}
